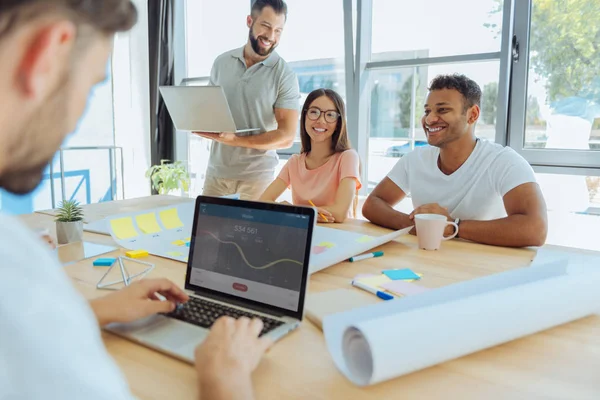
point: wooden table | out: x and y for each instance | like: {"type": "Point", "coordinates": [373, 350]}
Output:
{"type": "Point", "coordinates": [561, 363]}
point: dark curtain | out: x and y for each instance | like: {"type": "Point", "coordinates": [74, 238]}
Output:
{"type": "Point", "coordinates": [161, 19]}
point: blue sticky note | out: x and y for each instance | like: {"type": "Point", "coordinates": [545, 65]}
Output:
{"type": "Point", "coordinates": [187, 244]}
{"type": "Point", "coordinates": [104, 262]}
{"type": "Point", "coordinates": [400, 274]}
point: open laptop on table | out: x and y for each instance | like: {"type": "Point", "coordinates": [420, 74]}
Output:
{"type": "Point", "coordinates": [246, 259]}
{"type": "Point", "coordinates": [200, 109]}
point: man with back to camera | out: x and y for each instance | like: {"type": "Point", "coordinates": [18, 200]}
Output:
{"type": "Point", "coordinates": [262, 92]}
{"type": "Point", "coordinates": [53, 52]}
{"type": "Point", "coordinates": [488, 189]}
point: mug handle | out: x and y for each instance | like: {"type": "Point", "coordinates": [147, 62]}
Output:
{"type": "Point", "coordinates": [455, 231]}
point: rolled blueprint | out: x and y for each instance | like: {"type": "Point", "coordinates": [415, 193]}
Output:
{"type": "Point", "coordinates": [368, 344]}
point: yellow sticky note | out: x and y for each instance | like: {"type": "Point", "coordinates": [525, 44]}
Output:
{"type": "Point", "coordinates": [375, 281]}
{"type": "Point", "coordinates": [136, 253]}
{"type": "Point", "coordinates": [329, 245]}
{"type": "Point", "coordinates": [123, 228]}
{"type": "Point", "coordinates": [178, 243]}
{"type": "Point", "coordinates": [148, 223]}
{"type": "Point", "coordinates": [364, 239]}
{"type": "Point", "coordinates": [187, 239]}
{"type": "Point", "coordinates": [170, 218]}
{"type": "Point", "coordinates": [174, 254]}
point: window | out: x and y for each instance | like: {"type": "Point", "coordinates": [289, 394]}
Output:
{"type": "Point", "coordinates": [411, 43]}
{"type": "Point", "coordinates": [555, 121]}
{"type": "Point", "coordinates": [405, 29]}
{"type": "Point", "coordinates": [212, 28]}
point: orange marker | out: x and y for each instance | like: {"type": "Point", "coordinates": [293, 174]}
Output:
{"type": "Point", "coordinates": [322, 216]}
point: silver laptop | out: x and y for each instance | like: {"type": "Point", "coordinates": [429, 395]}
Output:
{"type": "Point", "coordinates": [246, 259]}
{"type": "Point", "coordinates": [200, 109]}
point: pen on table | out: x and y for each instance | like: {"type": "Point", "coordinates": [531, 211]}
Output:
{"type": "Point", "coordinates": [365, 256]}
{"type": "Point", "coordinates": [313, 204]}
{"type": "Point", "coordinates": [378, 293]}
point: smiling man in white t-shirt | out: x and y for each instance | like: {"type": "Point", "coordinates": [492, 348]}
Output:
{"type": "Point", "coordinates": [53, 52]}
{"type": "Point", "coordinates": [488, 189]}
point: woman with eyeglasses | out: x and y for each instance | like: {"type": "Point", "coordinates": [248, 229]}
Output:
{"type": "Point", "coordinates": [326, 173]}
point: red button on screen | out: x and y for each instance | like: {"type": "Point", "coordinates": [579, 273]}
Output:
{"type": "Point", "coordinates": [240, 287]}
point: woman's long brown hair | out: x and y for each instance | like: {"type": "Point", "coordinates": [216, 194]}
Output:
{"type": "Point", "coordinates": [339, 139]}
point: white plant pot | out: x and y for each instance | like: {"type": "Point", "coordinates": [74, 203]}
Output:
{"type": "Point", "coordinates": [69, 232]}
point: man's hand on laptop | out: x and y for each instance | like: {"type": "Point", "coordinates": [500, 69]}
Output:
{"type": "Point", "coordinates": [226, 359]}
{"type": "Point", "coordinates": [221, 137]}
{"type": "Point", "coordinates": [138, 300]}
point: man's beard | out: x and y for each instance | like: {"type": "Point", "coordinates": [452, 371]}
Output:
{"type": "Point", "coordinates": [256, 47]}
{"type": "Point", "coordinates": [33, 147]}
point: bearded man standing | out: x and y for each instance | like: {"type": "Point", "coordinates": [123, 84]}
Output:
{"type": "Point", "coordinates": [262, 92]}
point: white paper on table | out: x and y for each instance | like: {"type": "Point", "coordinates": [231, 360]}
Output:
{"type": "Point", "coordinates": [343, 245]}
{"type": "Point", "coordinates": [369, 344]}
{"type": "Point", "coordinates": [102, 226]}
{"type": "Point", "coordinates": [159, 243]}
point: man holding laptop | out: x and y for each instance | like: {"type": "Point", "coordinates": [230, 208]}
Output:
{"type": "Point", "coordinates": [53, 52]}
{"type": "Point", "coordinates": [262, 92]}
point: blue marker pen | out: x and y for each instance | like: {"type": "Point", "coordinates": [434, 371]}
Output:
{"type": "Point", "coordinates": [378, 293]}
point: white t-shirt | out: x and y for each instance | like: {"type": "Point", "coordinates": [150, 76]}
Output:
{"type": "Point", "coordinates": [474, 191]}
{"type": "Point", "coordinates": [50, 344]}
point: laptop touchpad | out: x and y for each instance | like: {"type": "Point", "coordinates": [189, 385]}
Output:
{"type": "Point", "coordinates": [171, 334]}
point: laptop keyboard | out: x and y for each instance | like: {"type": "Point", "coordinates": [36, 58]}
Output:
{"type": "Point", "coordinates": [204, 313]}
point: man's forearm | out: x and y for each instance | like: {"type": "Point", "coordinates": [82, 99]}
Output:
{"type": "Point", "coordinates": [99, 311]}
{"type": "Point", "coordinates": [381, 213]}
{"type": "Point", "coordinates": [513, 231]}
{"type": "Point", "coordinates": [272, 140]}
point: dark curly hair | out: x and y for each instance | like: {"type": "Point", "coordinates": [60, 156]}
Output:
{"type": "Point", "coordinates": [469, 89]}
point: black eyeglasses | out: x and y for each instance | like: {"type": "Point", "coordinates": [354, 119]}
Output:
{"type": "Point", "coordinates": [314, 113]}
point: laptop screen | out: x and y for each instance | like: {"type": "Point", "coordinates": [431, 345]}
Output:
{"type": "Point", "coordinates": [258, 252]}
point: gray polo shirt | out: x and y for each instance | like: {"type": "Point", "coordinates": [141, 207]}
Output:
{"type": "Point", "coordinates": [252, 94]}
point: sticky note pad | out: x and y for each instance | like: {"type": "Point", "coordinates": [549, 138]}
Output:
{"type": "Point", "coordinates": [136, 253]}
{"type": "Point", "coordinates": [400, 274]}
{"type": "Point", "coordinates": [318, 249]}
{"type": "Point", "coordinates": [178, 243]}
{"type": "Point", "coordinates": [148, 223]}
{"type": "Point", "coordinates": [123, 228]}
{"type": "Point", "coordinates": [403, 288]}
{"type": "Point", "coordinates": [375, 281]}
{"type": "Point", "coordinates": [188, 244]}
{"type": "Point", "coordinates": [104, 262]}
{"type": "Point", "coordinates": [364, 239]}
{"type": "Point", "coordinates": [170, 218]}
{"type": "Point", "coordinates": [329, 245]}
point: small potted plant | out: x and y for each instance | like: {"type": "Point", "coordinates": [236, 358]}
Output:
{"type": "Point", "coordinates": [169, 178]}
{"type": "Point", "coordinates": [69, 222]}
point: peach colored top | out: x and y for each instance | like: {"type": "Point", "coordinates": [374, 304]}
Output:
{"type": "Point", "coordinates": [320, 184]}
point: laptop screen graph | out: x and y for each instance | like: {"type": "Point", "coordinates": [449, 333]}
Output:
{"type": "Point", "coordinates": [250, 253]}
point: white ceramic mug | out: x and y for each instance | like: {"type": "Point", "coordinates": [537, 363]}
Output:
{"type": "Point", "coordinates": [430, 230]}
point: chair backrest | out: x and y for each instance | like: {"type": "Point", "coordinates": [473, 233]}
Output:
{"type": "Point", "coordinates": [355, 201]}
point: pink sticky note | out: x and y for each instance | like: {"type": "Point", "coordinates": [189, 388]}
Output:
{"type": "Point", "coordinates": [318, 249]}
{"type": "Point", "coordinates": [403, 288]}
